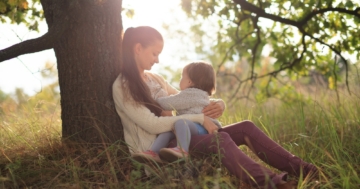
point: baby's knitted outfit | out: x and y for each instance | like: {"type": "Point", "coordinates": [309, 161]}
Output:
{"type": "Point", "coordinates": [188, 101]}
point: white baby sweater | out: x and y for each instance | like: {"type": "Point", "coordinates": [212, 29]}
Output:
{"type": "Point", "coordinates": [187, 101]}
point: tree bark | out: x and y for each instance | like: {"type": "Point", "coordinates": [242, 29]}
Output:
{"type": "Point", "coordinates": [88, 58]}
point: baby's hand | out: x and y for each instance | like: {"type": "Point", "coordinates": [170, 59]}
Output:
{"type": "Point", "coordinates": [166, 113]}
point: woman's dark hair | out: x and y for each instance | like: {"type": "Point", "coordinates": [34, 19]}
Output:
{"type": "Point", "coordinates": [202, 75]}
{"type": "Point", "coordinates": [137, 87]}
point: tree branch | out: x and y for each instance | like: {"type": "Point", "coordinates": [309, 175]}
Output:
{"type": "Point", "coordinates": [261, 13]}
{"type": "Point", "coordinates": [44, 42]}
{"type": "Point", "coordinates": [275, 72]}
{"type": "Point", "coordinates": [320, 11]}
{"type": "Point", "coordinates": [30, 46]}
{"type": "Point", "coordinates": [299, 24]}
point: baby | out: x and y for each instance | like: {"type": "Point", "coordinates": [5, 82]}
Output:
{"type": "Point", "coordinates": [197, 84]}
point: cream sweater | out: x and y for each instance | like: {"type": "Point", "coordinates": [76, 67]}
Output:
{"type": "Point", "coordinates": [140, 125]}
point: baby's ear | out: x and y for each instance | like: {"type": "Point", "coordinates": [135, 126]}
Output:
{"type": "Point", "coordinates": [191, 83]}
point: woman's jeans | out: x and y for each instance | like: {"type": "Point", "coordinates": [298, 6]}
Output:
{"type": "Point", "coordinates": [226, 144]}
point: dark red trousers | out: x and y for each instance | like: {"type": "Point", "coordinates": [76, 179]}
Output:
{"type": "Point", "coordinates": [226, 143]}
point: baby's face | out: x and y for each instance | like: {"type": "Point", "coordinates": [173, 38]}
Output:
{"type": "Point", "coordinates": [185, 81]}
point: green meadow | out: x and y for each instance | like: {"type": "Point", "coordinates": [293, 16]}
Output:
{"type": "Point", "coordinates": [318, 127]}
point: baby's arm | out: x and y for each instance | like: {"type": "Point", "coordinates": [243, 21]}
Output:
{"type": "Point", "coordinates": [179, 101]}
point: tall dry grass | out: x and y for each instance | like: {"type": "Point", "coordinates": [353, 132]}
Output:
{"type": "Point", "coordinates": [315, 127]}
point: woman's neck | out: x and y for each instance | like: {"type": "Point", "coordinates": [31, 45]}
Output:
{"type": "Point", "coordinates": [143, 76]}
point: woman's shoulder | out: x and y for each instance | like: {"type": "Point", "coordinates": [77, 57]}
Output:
{"type": "Point", "coordinates": [118, 81]}
{"type": "Point", "coordinates": [119, 85]}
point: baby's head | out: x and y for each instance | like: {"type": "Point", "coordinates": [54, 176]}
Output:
{"type": "Point", "coordinates": [199, 75]}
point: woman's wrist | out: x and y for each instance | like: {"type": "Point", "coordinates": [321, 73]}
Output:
{"type": "Point", "coordinates": [209, 125]}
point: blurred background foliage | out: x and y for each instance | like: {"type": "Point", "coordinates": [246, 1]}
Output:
{"type": "Point", "coordinates": [259, 48]}
{"type": "Point", "coordinates": [45, 100]}
{"type": "Point", "coordinates": [268, 48]}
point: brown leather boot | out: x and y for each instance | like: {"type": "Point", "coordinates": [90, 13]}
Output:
{"type": "Point", "coordinates": [287, 185]}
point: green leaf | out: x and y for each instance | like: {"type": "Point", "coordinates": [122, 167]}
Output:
{"type": "Point", "coordinates": [349, 3]}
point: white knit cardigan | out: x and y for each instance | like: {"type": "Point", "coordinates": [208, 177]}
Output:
{"type": "Point", "coordinates": [140, 125]}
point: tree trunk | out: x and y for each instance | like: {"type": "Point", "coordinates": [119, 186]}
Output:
{"type": "Point", "coordinates": [88, 58]}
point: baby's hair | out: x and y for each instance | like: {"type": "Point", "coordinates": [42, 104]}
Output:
{"type": "Point", "coordinates": [202, 75]}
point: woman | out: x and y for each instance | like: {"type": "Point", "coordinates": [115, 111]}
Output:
{"type": "Point", "coordinates": [140, 114]}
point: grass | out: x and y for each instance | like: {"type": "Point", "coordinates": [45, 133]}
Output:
{"type": "Point", "coordinates": [318, 129]}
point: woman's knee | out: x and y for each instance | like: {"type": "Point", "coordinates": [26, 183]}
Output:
{"type": "Point", "coordinates": [248, 123]}
{"type": "Point", "coordinates": [224, 144]}
{"type": "Point", "coordinates": [223, 138]}
{"type": "Point", "coordinates": [249, 127]}
{"type": "Point", "coordinates": [240, 127]}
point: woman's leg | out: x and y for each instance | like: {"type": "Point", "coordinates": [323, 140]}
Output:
{"type": "Point", "coordinates": [237, 162]}
{"type": "Point", "coordinates": [248, 133]}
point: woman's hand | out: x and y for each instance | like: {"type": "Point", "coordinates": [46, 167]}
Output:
{"type": "Point", "coordinates": [166, 113]}
{"type": "Point", "coordinates": [209, 125]}
{"type": "Point", "coordinates": [214, 109]}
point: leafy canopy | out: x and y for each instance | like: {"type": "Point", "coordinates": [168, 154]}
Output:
{"type": "Point", "coordinates": [303, 36]}
{"type": "Point", "coordinates": [28, 12]}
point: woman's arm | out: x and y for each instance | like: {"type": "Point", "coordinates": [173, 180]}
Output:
{"type": "Point", "coordinates": [143, 117]}
{"type": "Point", "coordinates": [210, 126]}
{"type": "Point", "coordinates": [215, 109]}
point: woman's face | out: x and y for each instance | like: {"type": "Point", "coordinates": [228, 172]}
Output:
{"type": "Point", "coordinates": [185, 81]}
{"type": "Point", "coordinates": [146, 57]}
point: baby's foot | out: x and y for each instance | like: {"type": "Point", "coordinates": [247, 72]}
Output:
{"type": "Point", "coordinates": [173, 154]}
